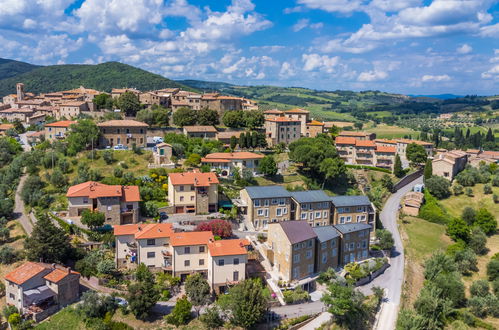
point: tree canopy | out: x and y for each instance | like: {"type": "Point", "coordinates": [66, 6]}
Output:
{"type": "Point", "coordinates": [416, 153]}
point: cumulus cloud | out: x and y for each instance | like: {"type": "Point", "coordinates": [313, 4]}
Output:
{"type": "Point", "coordinates": [305, 23]}
{"type": "Point", "coordinates": [435, 78]}
{"type": "Point", "coordinates": [342, 6]}
{"type": "Point", "coordinates": [373, 75]}
{"type": "Point", "coordinates": [464, 49]}
{"type": "Point", "coordinates": [491, 73]}
{"type": "Point", "coordinates": [314, 62]}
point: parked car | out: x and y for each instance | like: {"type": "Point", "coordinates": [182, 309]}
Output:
{"type": "Point", "coordinates": [120, 147]}
{"type": "Point", "coordinates": [121, 301]}
{"type": "Point", "coordinates": [157, 139]}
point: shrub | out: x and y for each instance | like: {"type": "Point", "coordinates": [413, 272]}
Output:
{"type": "Point", "coordinates": [469, 215]}
{"type": "Point", "coordinates": [431, 210]}
{"type": "Point", "coordinates": [95, 305]}
{"type": "Point", "coordinates": [479, 288]}
{"type": "Point", "coordinates": [181, 313]}
{"type": "Point", "coordinates": [457, 229]}
{"type": "Point", "coordinates": [218, 227]}
{"type": "Point", "coordinates": [14, 319]}
{"type": "Point", "coordinates": [108, 157]}
{"type": "Point", "coordinates": [493, 269]}
{"type": "Point", "coordinates": [478, 241]}
{"type": "Point", "coordinates": [9, 310]}
{"type": "Point", "coordinates": [486, 221]}
{"type": "Point", "coordinates": [487, 189]}
{"type": "Point", "coordinates": [438, 186]}
{"type": "Point", "coordinates": [211, 318]}
{"type": "Point", "coordinates": [296, 296]}
{"type": "Point", "coordinates": [385, 237]}
{"type": "Point", "coordinates": [457, 189]}
{"type": "Point", "coordinates": [7, 255]}
{"type": "Point", "coordinates": [495, 198]}
{"type": "Point", "coordinates": [468, 191]}
{"type": "Point", "coordinates": [466, 261]}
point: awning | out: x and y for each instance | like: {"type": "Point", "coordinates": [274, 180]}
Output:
{"type": "Point", "coordinates": [38, 295]}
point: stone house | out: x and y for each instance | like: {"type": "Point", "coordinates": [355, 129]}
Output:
{"type": "Point", "coordinates": [193, 192]}
{"type": "Point", "coordinates": [282, 130]}
{"type": "Point", "coordinates": [363, 136]}
{"type": "Point", "coordinates": [58, 129]}
{"type": "Point", "coordinates": [38, 290]}
{"type": "Point", "coordinates": [313, 128]}
{"type": "Point", "coordinates": [449, 164]}
{"type": "Point", "coordinates": [71, 109]}
{"type": "Point", "coordinates": [124, 132]}
{"type": "Point", "coordinates": [162, 154]}
{"type": "Point", "coordinates": [225, 163]}
{"type": "Point", "coordinates": [120, 204]}
{"type": "Point", "coordinates": [204, 132]}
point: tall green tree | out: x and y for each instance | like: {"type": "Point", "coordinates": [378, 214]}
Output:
{"type": "Point", "coordinates": [267, 166]}
{"type": "Point", "coordinates": [47, 243]}
{"type": "Point", "coordinates": [253, 119]}
{"type": "Point", "coordinates": [428, 169]}
{"type": "Point", "coordinates": [197, 290]}
{"type": "Point", "coordinates": [242, 140]}
{"type": "Point", "coordinates": [346, 305]}
{"type": "Point", "coordinates": [142, 295]}
{"type": "Point", "coordinates": [82, 134]}
{"type": "Point", "coordinates": [438, 186]}
{"type": "Point", "coordinates": [181, 313]}
{"type": "Point", "coordinates": [398, 171]}
{"type": "Point", "coordinates": [103, 101]}
{"type": "Point", "coordinates": [207, 117]}
{"type": "Point", "coordinates": [129, 103]}
{"type": "Point", "coordinates": [490, 136]}
{"type": "Point", "coordinates": [233, 142]}
{"type": "Point", "coordinates": [416, 153]}
{"type": "Point", "coordinates": [486, 221]}
{"type": "Point", "coordinates": [184, 117]}
{"type": "Point", "coordinates": [234, 119]}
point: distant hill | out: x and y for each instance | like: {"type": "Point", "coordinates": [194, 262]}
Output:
{"type": "Point", "coordinates": [440, 96]}
{"type": "Point", "coordinates": [11, 68]}
{"type": "Point", "coordinates": [103, 77]}
{"type": "Point", "coordinates": [206, 85]}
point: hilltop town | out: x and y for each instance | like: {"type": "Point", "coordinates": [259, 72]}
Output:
{"type": "Point", "coordinates": [147, 204]}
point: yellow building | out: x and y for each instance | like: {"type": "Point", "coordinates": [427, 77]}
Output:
{"type": "Point", "coordinates": [193, 192]}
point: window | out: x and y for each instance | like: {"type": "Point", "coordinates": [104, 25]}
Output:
{"type": "Point", "coordinates": [235, 276]}
{"type": "Point", "coordinates": [282, 201]}
{"type": "Point", "coordinates": [279, 212]}
{"type": "Point", "coordinates": [266, 202]}
{"type": "Point", "coordinates": [274, 201]}
{"type": "Point", "coordinates": [296, 272]}
{"type": "Point", "coordinates": [305, 206]}
{"type": "Point", "coordinates": [85, 200]}
{"type": "Point", "coordinates": [317, 215]}
{"type": "Point", "coordinates": [346, 246]}
{"type": "Point", "coordinates": [221, 262]}
{"type": "Point", "coordinates": [364, 244]}
{"type": "Point", "coordinates": [201, 249]}
{"type": "Point", "coordinates": [181, 188]}
{"type": "Point", "coordinates": [309, 254]}
{"type": "Point", "coordinates": [151, 255]}
{"type": "Point", "coordinates": [324, 258]}
{"type": "Point", "coordinates": [364, 254]}
{"type": "Point", "coordinates": [181, 198]}
{"type": "Point", "coordinates": [260, 212]}
{"type": "Point", "coordinates": [333, 243]}
{"type": "Point", "coordinates": [304, 216]}
{"type": "Point", "coordinates": [335, 252]}
{"type": "Point", "coordinates": [257, 203]}
{"type": "Point", "coordinates": [296, 247]}
{"type": "Point", "coordinates": [187, 250]}
{"type": "Point", "coordinates": [266, 213]}
{"type": "Point", "coordinates": [309, 243]}
{"type": "Point", "coordinates": [284, 210]}
{"type": "Point", "coordinates": [360, 208]}
{"type": "Point", "coordinates": [349, 218]}
{"type": "Point", "coordinates": [361, 218]}
{"type": "Point", "coordinates": [310, 268]}
{"type": "Point", "coordinates": [151, 241]}
{"type": "Point", "coordinates": [323, 245]}
{"type": "Point", "coordinates": [352, 246]}
{"type": "Point", "coordinates": [187, 263]}
{"type": "Point", "coordinates": [236, 261]}
{"type": "Point", "coordinates": [324, 215]}
{"type": "Point", "coordinates": [342, 219]}
{"type": "Point", "coordinates": [192, 198]}
{"type": "Point", "coordinates": [296, 258]}
{"type": "Point", "coordinates": [201, 262]}
{"type": "Point", "coordinates": [340, 210]}
{"type": "Point", "coordinates": [11, 295]}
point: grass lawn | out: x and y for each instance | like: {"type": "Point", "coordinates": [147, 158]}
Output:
{"type": "Point", "coordinates": [456, 204]}
{"type": "Point", "coordinates": [67, 318]}
{"type": "Point", "coordinates": [342, 124]}
{"type": "Point", "coordinates": [391, 132]}
{"type": "Point", "coordinates": [381, 114]}
{"type": "Point", "coordinates": [421, 239]}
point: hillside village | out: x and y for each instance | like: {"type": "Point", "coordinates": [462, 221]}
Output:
{"type": "Point", "coordinates": [180, 199]}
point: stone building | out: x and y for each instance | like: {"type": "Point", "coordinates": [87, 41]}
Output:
{"type": "Point", "coordinates": [124, 132]}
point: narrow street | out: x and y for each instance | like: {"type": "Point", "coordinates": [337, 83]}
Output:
{"type": "Point", "coordinates": [19, 213]}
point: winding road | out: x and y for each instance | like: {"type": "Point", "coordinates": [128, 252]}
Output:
{"type": "Point", "coordinates": [19, 213]}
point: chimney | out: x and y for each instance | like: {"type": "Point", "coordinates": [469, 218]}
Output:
{"type": "Point", "coordinates": [69, 270]}
{"type": "Point", "coordinates": [53, 266]}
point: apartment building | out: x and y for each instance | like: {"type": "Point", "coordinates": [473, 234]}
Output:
{"type": "Point", "coordinates": [403, 143]}
{"type": "Point", "coordinates": [225, 163]}
{"type": "Point", "coordinates": [204, 132]}
{"type": "Point", "coordinates": [124, 132]}
{"type": "Point", "coordinates": [185, 99]}
{"type": "Point", "coordinates": [220, 103]}
{"type": "Point", "coordinates": [365, 152]}
{"type": "Point", "coordinates": [155, 98]}
{"type": "Point", "coordinates": [266, 204]}
{"type": "Point", "coordinates": [353, 209]}
{"type": "Point", "coordinates": [292, 249]}
{"type": "Point", "coordinates": [58, 129]}
{"type": "Point", "coordinates": [311, 206]}
{"type": "Point", "coordinates": [449, 164]}
{"type": "Point", "coordinates": [117, 92]}
{"type": "Point", "coordinates": [314, 128]}
{"type": "Point", "coordinates": [227, 261]}
{"type": "Point", "coordinates": [38, 290]}
{"type": "Point", "coordinates": [190, 253]}
{"type": "Point", "coordinates": [193, 192]}
{"type": "Point", "coordinates": [71, 109]}
{"type": "Point", "coordinates": [327, 248]}
{"type": "Point", "coordinates": [298, 252]}
{"type": "Point", "coordinates": [282, 130]}
{"type": "Point", "coordinates": [301, 115]}
{"type": "Point", "coordinates": [357, 135]}
{"type": "Point", "coordinates": [120, 204]}
{"type": "Point", "coordinates": [354, 242]}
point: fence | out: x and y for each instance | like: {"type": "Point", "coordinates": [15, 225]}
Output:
{"type": "Point", "coordinates": [407, 179]}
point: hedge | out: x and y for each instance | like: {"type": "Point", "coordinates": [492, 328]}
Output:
{"type": "Point", "coordinates": [432, 211]}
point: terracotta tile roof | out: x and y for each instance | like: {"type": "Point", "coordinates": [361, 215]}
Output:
{"type": "Point", "coordinates": [227, 247]}
{"type": "Point", "coordinates": [163, 144]}
{"type": "Point", "coordinates": [62, 123]}
{"type": "Point", "coordinates": [386, 149]}
{"type": "Point", "coordinates": [194, 129]}
{"type": "Point", "coordinates": [493, 154]}
{"type": "Point", "coordinates": [407, 141]}
{"type": "Point", "coordinates": [35, 134]}
{"type": "Point", "coordinates": [364, 143]}
{"type": "Point", "coordinates": [144, 231]}
{"type": "Point", "coordinates": [191, 238]}
{"type": "Point", "coordinates": [228, 135]}
{"type": "Point", "coordinates": [351, 133]}
{"type": "Point", "coordinates": [315, 123]}
{"type": "Point", "coordinates": [385, 141]}
{"type": "Point", "coordinates": [122, 123]}
{"type": "Point", "coordinates": [93, 189]}
{"type": "Point", "coordinates": [233, 155]}
{"type": "Point", "coordinates": [195, 178]}
{"type": "Point", "coordinates": [297, 110]}
{"type": "Point", "coordinates": [18, 110]}
{"type": "Point", "coordinates": [273, 112]}
{"type": "Point", "coordinates": [282, 119]}
{"type": "Point", "coordinates": [473, 151]}
{"type": "Point", "coordinates": [25, 272]}
{"type": "Point", "coordinates": [57, 274]}
{"type": "Point", "coordinates": [4, 127]}
{"type": "Point", "coordinates": [214, 160]}
{"type": "Point", "coordinates": [73, 104]}
{"type": "Point", "coordinates": [345, 140]}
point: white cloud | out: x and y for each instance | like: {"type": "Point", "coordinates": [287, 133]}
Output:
{"type": "Point", "coordinates": [286, 70]}
{"type": "Point", "coordinates": [314, 62]}
{"type": "Point", "coordinates": [301, 24]}
{"type": "Point", "coordinates": [435, 78]}
{"type": "Point", "coordinates": [342, 6]}
{"type": "Point", "coordinates": [491, 73]}
{"type": "Point", "coordinates": [464, 49]}
{"type": "Point", "coordinates": [373, 75]}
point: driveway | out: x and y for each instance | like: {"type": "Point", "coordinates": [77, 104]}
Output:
{"type": "Point", "coordinates": [393, 277]}
{"type": "Point", "coordinates": [19, 208]}
{"type": "Point", "coordinates": [24, 139]}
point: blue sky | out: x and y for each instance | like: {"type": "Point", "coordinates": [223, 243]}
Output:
{"type": "Point", "coordinates": [405, 46]}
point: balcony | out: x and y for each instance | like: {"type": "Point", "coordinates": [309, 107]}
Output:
{"type": "Point", "coordinates": [166, 253]}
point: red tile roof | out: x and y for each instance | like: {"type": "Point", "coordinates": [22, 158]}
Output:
{"type": "Point", "coordinates": [315, 123]}
{"type": "Point", "coordinates": [282, 119]}
{"type": "Point", "coordinates": [25, 272]}
{"type": "Point", "coordinates": [191, 238]}
{"type": "Point", "coordinates": [386, 149]}
{"type": "Point", "coordinates": [144, 231]}
{"type": "Point", "coordinates": [62, 123]}
{"type": "Point", "coordinates": [122, 123]}
{"type": "Point", "coordinates": [351, 133]}
{"type": "Point", "coordinates": [297, 110]}
{"type": "Point", "coordinates": [195, 178]}
{"type": "Point", "coordinates": [198, 129]}
{"type": "Point", "coordinates": [227, 247]}
{"type": "Point", "coordinates": [93, 189]}
{"type": "Point", "coordinates": [59, 274]}
{"type": "Point", "coordinates": [273, 112]}
{"type": "Point", "coordinates": [4, 127]}
{"type": "Point", "coordinates": [345, 140]}
{"type": "Point", "coordinates": [364, 143]}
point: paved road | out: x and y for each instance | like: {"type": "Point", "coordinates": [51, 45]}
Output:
{"type": "Point", "coordinates": [19, 208]}
{"type": "Point", "coordinates": [393, 277]}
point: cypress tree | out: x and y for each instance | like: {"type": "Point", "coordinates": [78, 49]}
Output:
{"type": "Point", "coordinates": [490, 136]}
{"type": "Point", "coordinates": [428, 169]}
{"type": "Point", "coordinates": [398, 171]}
{"type": "Point", "coordinates": [233, 142]}
{"type": "Point", "coordinates": [242, 140]}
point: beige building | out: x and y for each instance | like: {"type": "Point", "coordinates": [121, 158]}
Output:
{"type": "Point", "coordinates": [17, 114]}
{"type": "Point", "coordinates": [227, 261]}
{"type": "Point", "coordinates": [365, 152]}
{"type": "Point", "coordinates": [225, 137]}
{"type": "Point", "coordinates": [9, 99]}
{"type": "Point", "coordinates": [292, 249]}
{"type": "Point", "coordinates": [120, 204]}
{"type": "Point", "coordinates": [353, 209]}
{"type": "Point", "coordinates": [155, 98]}
{"type": "Point", "coordinates": [71, 109]}
{"type": "Point", "coordinates": [185, 99]}
{"type": "Point", "coordinates": [313, 128]}
{"type": "Point", "coordinates": [58, 130]}
{"type": "Point", "coordinates": [282, 130]}
{"type": "Point", "coordinates": [204, 132]}
{"type": "Point", "coordinates": [124, 132]}
{"type": "Point", "coordinates": [225, 163]}
{"type": "Point", "coordinates": [354, 242]}
{"type": "Point", "coordinates": [311, 206]}
{"type": "Point", "coordinates": [301, 115]}
{"type": "Point", "coordinates": [38, 290]}
{"type": "Point", "coordinates": [357, 135]}
{"type": "Point", "coordinates": [193, 192]}
{"type": "Point", "coordinates": [403, 143]}
{"type": "Point", "coordinates": [162, 154]}
{"type": "Point", "coordinates": [220, 103]}
{"type": "Point", "coordinates": [190, 252]}
{"type": "Point", "coordinates": [412, 203]}
{"type": "Point", "coordinates": [117, 92]}
{"type": "Point", "coordinates": [449, 164]}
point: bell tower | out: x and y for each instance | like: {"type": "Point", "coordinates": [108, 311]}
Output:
{"type": "Point", "coordinates": [20, 91]}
